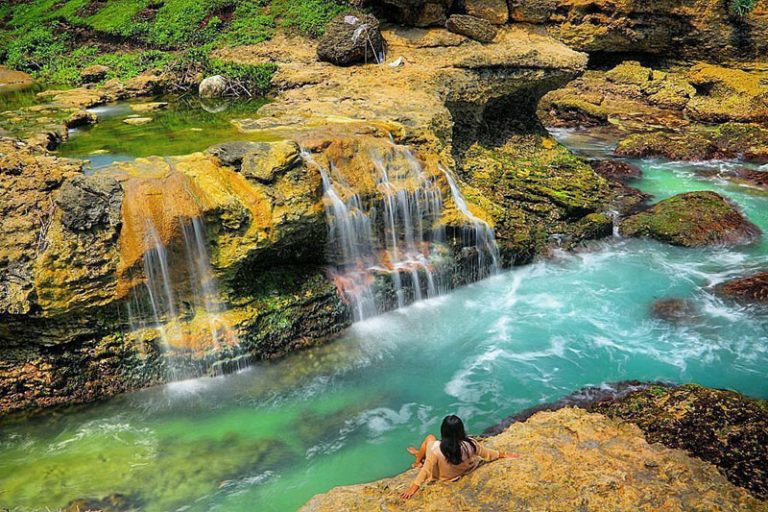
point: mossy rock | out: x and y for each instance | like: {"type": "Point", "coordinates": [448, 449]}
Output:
{"type": "Point", "coordinates": [693, 219]}
{"type": "Point", "coordinates": [547, 194]}
{"type": "Point", "coordinates": [724, 428]}
{"type": "Point", "coordinates": [698, 142]}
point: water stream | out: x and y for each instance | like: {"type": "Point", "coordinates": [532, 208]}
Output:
{"type": "Point", "coordinates": [272, 436]}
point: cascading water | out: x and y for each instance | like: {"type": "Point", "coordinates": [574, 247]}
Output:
{"type": "Point", "coordinates": [179, 286]}
{"type": "Point", "coordinates": [478, 237]}
{"type": "Point", "coordinates": [405, 252]}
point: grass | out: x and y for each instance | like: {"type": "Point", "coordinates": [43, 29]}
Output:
{"type": "Point", "coordinates": [133, 36]}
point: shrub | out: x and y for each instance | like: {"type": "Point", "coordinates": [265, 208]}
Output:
{"type": "Point", "coordinates": [741, 8]}
{"type": "Point", "coordinates": [33, 50]}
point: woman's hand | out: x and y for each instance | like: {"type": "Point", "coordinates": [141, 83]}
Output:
{"type": "Point", "coordinates": [509, 455]}
{"type": "Point", "coordinates": [410, 492]}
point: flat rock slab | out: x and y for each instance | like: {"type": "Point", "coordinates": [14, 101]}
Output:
{"type": "Point", "coordinates": [567, 458]}
{"type": "Point", "coordinates": [137, 120]}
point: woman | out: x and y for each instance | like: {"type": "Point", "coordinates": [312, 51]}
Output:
{"type": "Point", "coordinates": [453, 456]}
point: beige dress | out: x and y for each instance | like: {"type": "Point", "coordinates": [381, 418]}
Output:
{"type": "Point", "coordinates": [437, 467]}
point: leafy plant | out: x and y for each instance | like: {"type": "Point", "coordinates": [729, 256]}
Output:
{"type": "Point", "coordinates": [741, 8]}
{"type": "Point", "coordinates": [308, 17]}
{"type": "Point", "coordinates": [33, 50]}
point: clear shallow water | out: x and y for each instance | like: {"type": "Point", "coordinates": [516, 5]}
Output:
{"type": "Point", "coordinates": [271, 437]}
{"type": "Point", "coordinates": [187, 125]}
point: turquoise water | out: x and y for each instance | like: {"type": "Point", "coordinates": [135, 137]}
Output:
{"type": "Point", "coordinates": [271, 437]}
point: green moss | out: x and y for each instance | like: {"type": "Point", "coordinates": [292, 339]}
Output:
{"type": "Point", "coordinates": [117, 18]}
{"type": "Point", "coordinates": [308, 17]}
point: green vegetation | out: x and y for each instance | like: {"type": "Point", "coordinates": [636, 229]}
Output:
{"type": "Point", "coordinates": [741, 7]}
{"type": "Point", "coordinates": [133, 36]}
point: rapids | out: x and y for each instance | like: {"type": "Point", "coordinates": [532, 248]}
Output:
{"type": "Point", "coordinates": [270, 437]}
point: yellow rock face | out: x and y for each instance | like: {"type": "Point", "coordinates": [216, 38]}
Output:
{"type": "Point", "coordinates": [569, 460]}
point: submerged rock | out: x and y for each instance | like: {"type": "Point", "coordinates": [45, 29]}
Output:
{"type": "Point", "coordinates": [567, 458]}
{"type": "Point", "coordinates": [138, 121]}
{"type": "Point", "coordinates": [472, 27]}
{"type": "Point", "coordinates": [724, 428]}
{"type": "Point", "coordinates": [616, 169]}
{"type": "Point", "coordinates": [748, 290]}
{"type": "Point", "coordinates": [673, 310]}
{"type": "Point", "coordinates": [693, 219]}
{"type": "Point", "coordinates": [213, 87]}
{"type": "Point", "coordinates": [149, 107]}
{"type": "Point", "coordinates": [350, 39]}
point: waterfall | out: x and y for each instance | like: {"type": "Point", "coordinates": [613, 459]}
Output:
{"type": "Point", "coordinates": [478, 237]}
{"type": "Point", "coordinates": [179, 288]}
{"type": "Point", "coordinates": [390, 249]}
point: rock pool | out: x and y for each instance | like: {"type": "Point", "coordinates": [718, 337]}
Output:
{"type": "Point", "coordinates": [272, 436]}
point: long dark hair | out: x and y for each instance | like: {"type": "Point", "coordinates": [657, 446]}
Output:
{"type": "Point", "coordinates": [454, 439]}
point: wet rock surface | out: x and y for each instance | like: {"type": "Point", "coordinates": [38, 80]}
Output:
{"type": "Point", "coordinates": [674, 310]}
{"type": "Point", "coordinates": [90, 201]}
{"type": "Point", "coordinates": [693, 219]}
{"type": "Point", "coordinates": [567, 458]}
{"type": "Point", "coordinates": [751, 289]}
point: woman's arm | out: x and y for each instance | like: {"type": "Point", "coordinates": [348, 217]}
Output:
{"type": "Point", "coordinates": [490, 455]}
{"type": "Point", "coordinates": [425, 474]}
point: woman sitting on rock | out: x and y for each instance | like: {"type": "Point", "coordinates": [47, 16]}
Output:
{"type": "Point", "coordinates": [450, 458]}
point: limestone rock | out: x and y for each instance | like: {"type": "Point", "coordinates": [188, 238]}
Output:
{"type": "Point", "coordinates": [748, 290]}
{"type": "Point", "coordinates": [350, 39]}
{"type": "Point", "coordinates": [729, 140]}
{"type": "Point", "coordinates": [269, 160]}
{"type": "Point", "coordinates": [721, 427]}
{"type": "Point", "coordinates": [149, 107]}
{"type": "Point", "coordinates": [137, 121]}
{"type": "Point", "coordinates": [213, 87]}
{"type": "Point", "coordinates": [727, 95]}
{"type": "Point", "coordinates": [13, 79]}
{"type": "Point", "coordinates": [472, 27]}
{"type": "Point", "coordinates": [495, 11]}
{"type": "Point", "coordinates": [693, 219]}
{"type": "Point", "coordinates": [94, 73]}
{"type": "Point", "coordinates": [418, 13]}
{"type": "Point", "coordinates": [567, 458]}
{"type": "Point", "coordinates": [232, 153]}
{"type": "Point", "coordinates": [694, 29]}
{"type": "Point", "coordinates": [89, 202]}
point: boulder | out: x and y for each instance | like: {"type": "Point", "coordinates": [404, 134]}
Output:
{"type": "Point", "coordinates": [93, 74]}
{"type": "Point", "coordinates": [213, 87]}
{"type": "Point", "coordinates": [232, 153]}
{"type": "Point", "coordinates": [472, 27]}
{"type": "Point", "coordinates": [747, 290]}
{"type": "Point", "coordinates": [495, 11]}
{"type": "Point", "coordinates": [89, 202]}
{"type": "Point", "coordinates": [721, 427]}
{"type": "Point", "coordinates": [350, 39]}
{"type": "Point", "coordinates": [693, 219]}
{"type": "Point", "coordinates": [418, 13]}
{"type": "Point", "coordinates": [616, 170]}
{"type": "Point", "coordinates": [673, 310]}
{"type": "Point", "coordinates": [727, 94]}
{"type": "Point", "coordinates": [568, 458]}
{"type": "Point", "coordinates": [13, 79]}
{"type": "Point", "coordinates": [269, 160]}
